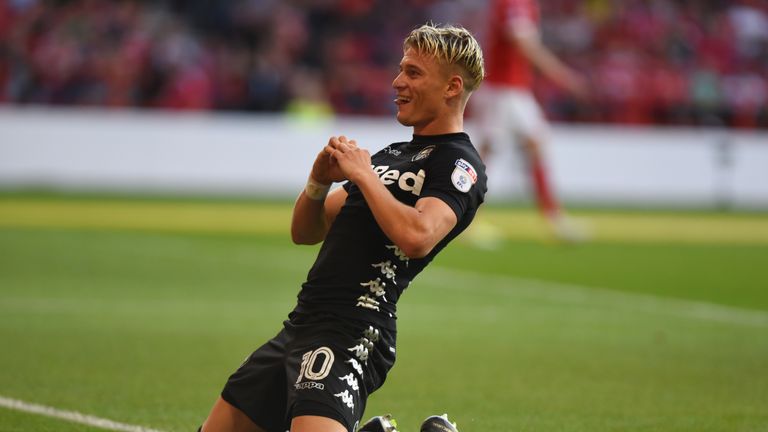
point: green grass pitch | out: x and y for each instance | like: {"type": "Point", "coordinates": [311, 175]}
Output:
{"type": "Point", "coordinates": [136, 310]}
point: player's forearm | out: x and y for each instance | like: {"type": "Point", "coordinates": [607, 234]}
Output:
{"type": "Point", "coordinates": [308, 223]}
{"type": "Point", "coordinates": [546, 62]}
{"type": "Point", "coordinates": [401, 223]}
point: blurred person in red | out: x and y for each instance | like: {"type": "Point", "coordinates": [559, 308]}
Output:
{"type": "Point", "coordinates": [506, 109]}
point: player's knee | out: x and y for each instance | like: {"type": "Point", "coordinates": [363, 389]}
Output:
{"type": "Point", "coordinates": [310, 423]}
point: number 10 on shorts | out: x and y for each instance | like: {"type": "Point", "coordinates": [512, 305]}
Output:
{"type": "Point", "coordinates": [316, 365]}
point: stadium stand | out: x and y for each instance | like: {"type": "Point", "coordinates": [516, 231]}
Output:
{"type": "Point", "coordinates": [675, 62]}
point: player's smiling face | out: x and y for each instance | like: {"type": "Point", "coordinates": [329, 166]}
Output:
{"type": "Point", "coordinates": [420, 88]}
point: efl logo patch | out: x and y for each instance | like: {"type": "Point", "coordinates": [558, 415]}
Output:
{"type": "Point", "coordinates": [463, 176]}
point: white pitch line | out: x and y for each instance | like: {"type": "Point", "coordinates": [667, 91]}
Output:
{"type": "Point", "coordinates": [72, 416]}
{"type": "Point", "coordinates": [579, 294]}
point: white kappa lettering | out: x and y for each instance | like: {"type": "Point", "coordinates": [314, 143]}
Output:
{"type": "Point", "coordinates": [351, 381]}
{"type": "Point", "coordinates": [356, 366]}
{"type": "Point", "coordinates": [347, 399]}
{"type": "Point", "coordinates": [368, 302]}
{"type": "Point", "coordinates": [377, 287]}
{"type": "Point", "coordinates": [387, 269]}
{"type": "Point", "coordinates": [360, 351]}
{"type": "Point", "coordinates": [399, 253]}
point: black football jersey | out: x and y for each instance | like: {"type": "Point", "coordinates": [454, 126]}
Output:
{"type": "Point", "coordinates": [359, 272]}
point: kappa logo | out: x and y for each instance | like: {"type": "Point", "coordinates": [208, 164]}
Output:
{"type": "Point", "coordinates": [356, 366]}
{"type": "Point", "coordinates": [399, 253]}
{"type": "Point", "coordinates": [406, 181]}
{"type": "Point", "coordinates": [309, 385]}
{"type": "Point", "coordinates": [423, 154]}
{"type": "Point", "coordinates": [360, 351]}
{"type": "Point", "coordinates": [351, 381]}
{"type": "Point", "coordinates": [368, 302]}
{"type": "Point", "coordinates": [347, 399]}
{"type": "Point", "coordinates": [463, 176]}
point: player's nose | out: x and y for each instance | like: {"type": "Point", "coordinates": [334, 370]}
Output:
{"type": "Point", "coordinates": [398, 83]}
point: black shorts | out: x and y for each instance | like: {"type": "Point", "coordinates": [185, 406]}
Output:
{"type": "Point", "coordinates": [319, 365]}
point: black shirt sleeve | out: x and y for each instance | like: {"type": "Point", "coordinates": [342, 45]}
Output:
{"type": "Point", "coordinates": [457, 177]}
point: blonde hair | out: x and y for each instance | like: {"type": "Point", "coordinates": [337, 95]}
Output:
{"type": "Point", "coordinates": [453, 46]}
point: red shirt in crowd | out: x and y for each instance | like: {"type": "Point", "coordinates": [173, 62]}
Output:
{"type": "Point", "coordinates": [506, 65]}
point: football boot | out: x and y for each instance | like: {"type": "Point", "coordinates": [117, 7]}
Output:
{"type": "Point", "coordinates": [438, 423]}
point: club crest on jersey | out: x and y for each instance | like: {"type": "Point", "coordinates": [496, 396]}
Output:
{"type": "Point", "coordinates": [423, 154]}
{"type": "Point", "coordinates": [463, 176]}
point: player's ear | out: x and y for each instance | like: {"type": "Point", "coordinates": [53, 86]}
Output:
{"type": "Point", "coordinates": [455, 86]}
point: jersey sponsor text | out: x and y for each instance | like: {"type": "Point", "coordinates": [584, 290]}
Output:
{"type": "Point", "coordinates": [407, 181]}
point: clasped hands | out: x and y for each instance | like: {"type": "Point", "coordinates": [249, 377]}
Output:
{"type": "Point", "coordinates": [341, 159]}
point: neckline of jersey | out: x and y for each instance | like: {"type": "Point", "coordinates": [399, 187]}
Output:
{"type": "Point", "coordinates": [431, 139]}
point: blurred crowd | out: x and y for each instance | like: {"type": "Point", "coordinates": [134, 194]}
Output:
{"type": "Point", "coordinates": [663, 61]}
{"type": "Point", "coordinates": [682, 62]}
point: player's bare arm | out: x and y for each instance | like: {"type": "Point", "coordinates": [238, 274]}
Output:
{"type": "Point", "coordinates": [311, 219]}
{"type": "Point", "coordinates": [415, 230]}
{"type": "Point", "coordinates": [528, 40]}
{"type": "Point", "coordinates": [313, 216]}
